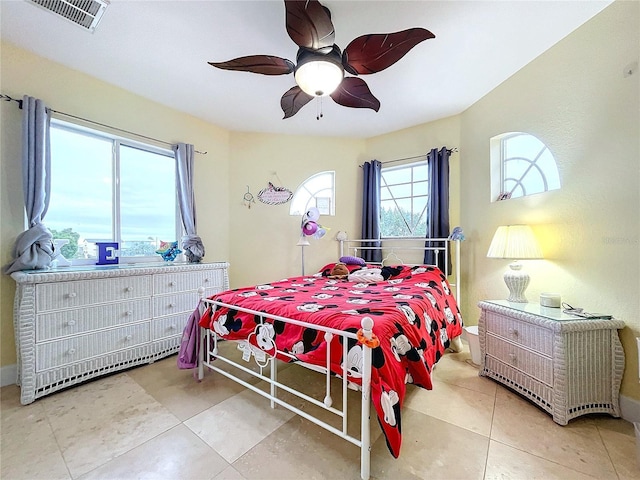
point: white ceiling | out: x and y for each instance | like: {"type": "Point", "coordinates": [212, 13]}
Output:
{"type": "Point", "coordinates": [160, 49]}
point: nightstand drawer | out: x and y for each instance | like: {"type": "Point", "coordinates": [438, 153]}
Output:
{"type": "Point", "coordinates": [525, 334]}
{"type": "Point", "coordinates": [59, 295]}
{"type": "Point", "coordinates": [173, 304]}
{"type": "Point", "coordinates": [168, 326]}
{"type": "Point", "coordinates": [188, 281]}
{"type": "Point", "coordinates": [533, 364]}
{"type": "Point", "coordinates": [75, 349]}
{"type": "Point", "coordinates": [71, 322]}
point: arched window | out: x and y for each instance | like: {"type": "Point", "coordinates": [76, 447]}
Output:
{"type": "Point", "coordinates": [316, 191]}
{"type": "Point", "coordinates": [526, 166]}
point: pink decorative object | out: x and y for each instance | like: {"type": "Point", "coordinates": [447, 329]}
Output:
{"type": "Point", "coordinates": [309, 228]}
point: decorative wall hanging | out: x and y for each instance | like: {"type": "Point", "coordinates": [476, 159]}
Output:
{"type": "Point", "coordinates": [321, 66]}
{"type": "Point", "coordinates": [273, 195]}
{"type": "Point", "coordinates": [248, 199]}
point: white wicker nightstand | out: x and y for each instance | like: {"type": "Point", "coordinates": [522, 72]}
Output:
{"type": "Point", "coordinates": [567, 366]}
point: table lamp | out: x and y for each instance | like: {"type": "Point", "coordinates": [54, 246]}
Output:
{"type": "Point", "coordinates": [515, 242]}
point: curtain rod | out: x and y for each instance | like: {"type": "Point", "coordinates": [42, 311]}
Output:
{"type": "Point", "coordinates": [19, 102]}
{"type": "Point", "coordinates": [450, 150]}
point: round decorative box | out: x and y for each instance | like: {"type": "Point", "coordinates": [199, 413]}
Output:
{"type": "Point", "coordinates": [550, 300]}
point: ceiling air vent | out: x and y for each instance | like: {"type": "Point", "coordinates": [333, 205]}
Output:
{"type": "Point", "coordinates": [84, 13]}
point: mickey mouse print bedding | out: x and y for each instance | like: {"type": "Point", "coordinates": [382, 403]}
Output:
{"type": "Point", "coordinates": [415, 318]}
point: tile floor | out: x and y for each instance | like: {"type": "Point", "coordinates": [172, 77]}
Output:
{"type": "Point", "coordinates": [157, 422]}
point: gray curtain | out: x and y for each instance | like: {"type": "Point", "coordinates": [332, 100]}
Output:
{"type": "Point", "coordinates": [34, 247]}
{"type": "Point", "coordinates": [371, 209]}
{"type": "Point", "coordinates": [191, 242]}
{"type": "Point", "coordinates": [438, 203]}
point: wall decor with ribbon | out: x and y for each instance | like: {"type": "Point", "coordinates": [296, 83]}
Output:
{"type": "Point", "coordinates": [273, 195]}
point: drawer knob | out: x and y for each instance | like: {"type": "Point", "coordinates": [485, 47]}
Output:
{"type": "Point", "coordinates": [206, 280]}
{"type": "Point", "coordinates": [513, 358]}
{"type": "Point", "coordinates": [71, 351]}
{"type": "Point", "coordinates": [128, 313]}
{"type": "Point", "coordinates": [71, 295]}
{"type": "Point", "coordinates": [172, 284]}
{"type": "Point", "coordinates": [171, 305]}
{"type": "Point", "coordinates": [513, 332]}
{"type": "Point", "coordinates": [128, 337]}
{"type": "Point", "coordinates": [172, 327]}
{"type": "Point", "coordinates": [71, 323]}
{"type": "Point", "coordinates": [128, 289]}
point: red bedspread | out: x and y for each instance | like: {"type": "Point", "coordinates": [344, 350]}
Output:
{"type": "Point", "coordinates": [414, 313]}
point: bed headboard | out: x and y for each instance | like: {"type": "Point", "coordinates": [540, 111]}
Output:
{"type": "Point", "coordinates": [410, 251]}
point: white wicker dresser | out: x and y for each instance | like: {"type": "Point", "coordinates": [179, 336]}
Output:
{"type": "Point", "coordinates": [567, 366]}
{"type": "Point", "coordinates": [76, 323]}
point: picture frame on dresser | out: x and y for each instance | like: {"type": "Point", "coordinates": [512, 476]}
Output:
{"type": "Point", "coordinates": [568, 366]}
{"type": "Point", "coordinates": [73, 324]}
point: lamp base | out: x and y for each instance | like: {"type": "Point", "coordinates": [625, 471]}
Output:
{"type": "Point", "coordinates": [517, 281]}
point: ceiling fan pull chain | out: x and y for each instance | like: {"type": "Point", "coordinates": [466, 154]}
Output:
{"type": "Point", "coordinates": [319, 108]}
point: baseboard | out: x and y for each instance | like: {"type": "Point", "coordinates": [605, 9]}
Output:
{"type": "Point", "coordinates": [8, 375]}
{"type": "Point", "coordinates": [630, 409]}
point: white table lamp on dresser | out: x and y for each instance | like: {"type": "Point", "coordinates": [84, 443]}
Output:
{"type": "Point", "coordinates": [515, 242]}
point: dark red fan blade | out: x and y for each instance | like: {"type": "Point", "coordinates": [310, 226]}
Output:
{"type": "Point", "coordinates": [264, 64]}
{"type": "Point", "coordinates": [309, 24]}
{"type": "Point", "coordinates": [375, 52]}
{"type": "Point", "coordinates": [354, 92]}
{"type": "Point", "coordinates": [293, 100]}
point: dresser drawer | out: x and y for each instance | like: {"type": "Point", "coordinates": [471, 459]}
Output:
{"type": "Point", "coordinates": [75, 349]}
{"type": "Point", "coordinates": [173, 304]}
{"type": "Point", "coordinates": [169, 326]}
{"type": "Point", "coordinates": [54, 296]}
{"type": "Point", "coordinates": [533, 364]}
{"type": "Point", "coordinates": [522, 333]}
{"type": "Point", "coordinates": [179, 282]}
{"type": "Point", "coordinates": [70, 322]}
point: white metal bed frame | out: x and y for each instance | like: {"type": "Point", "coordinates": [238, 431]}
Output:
{"type": "Point", "coordinates": [209, 352]}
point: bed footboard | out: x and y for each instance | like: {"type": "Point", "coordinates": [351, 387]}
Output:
{"type": "Point", "coordinates": [210, 354]}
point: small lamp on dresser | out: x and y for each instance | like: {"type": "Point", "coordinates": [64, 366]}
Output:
{"type": "Point", "coordinates": [515, 242]}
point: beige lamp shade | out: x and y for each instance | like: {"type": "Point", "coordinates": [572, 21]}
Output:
{"type": "Point", "coordinates": [515, 242]}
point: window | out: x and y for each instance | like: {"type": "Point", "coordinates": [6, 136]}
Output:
{"type": "Point", "coordinates": [526, 166]}
{"type": "Point", "coordinates": [110, 189]}
{"type": "Point", "coordinates": [404, 191]}
{"type": "Point", "coordinates": [316, 191]}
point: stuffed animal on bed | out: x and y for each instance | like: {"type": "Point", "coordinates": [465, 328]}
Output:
{"type": "Point", "coordinates": [339, 270]}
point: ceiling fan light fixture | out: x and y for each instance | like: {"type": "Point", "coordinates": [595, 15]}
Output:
{"type": "Point", "coordinates": [320, 63]}
{"type": "Point", "coordinates": [319, 74]}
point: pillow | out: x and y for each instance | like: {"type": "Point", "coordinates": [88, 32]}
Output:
{"type": "Point", "coordinates": [353, 260]}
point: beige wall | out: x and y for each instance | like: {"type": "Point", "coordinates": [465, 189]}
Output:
{"type": "Point", "coordinates": [576, 100]}
{"type": "Point", "coordinates": [72, 92]}
{"type": "Point", "coordinates": [263, 238]}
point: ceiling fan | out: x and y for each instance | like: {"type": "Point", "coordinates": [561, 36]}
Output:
{"type": "Point", "coordinates": [321, 66]}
